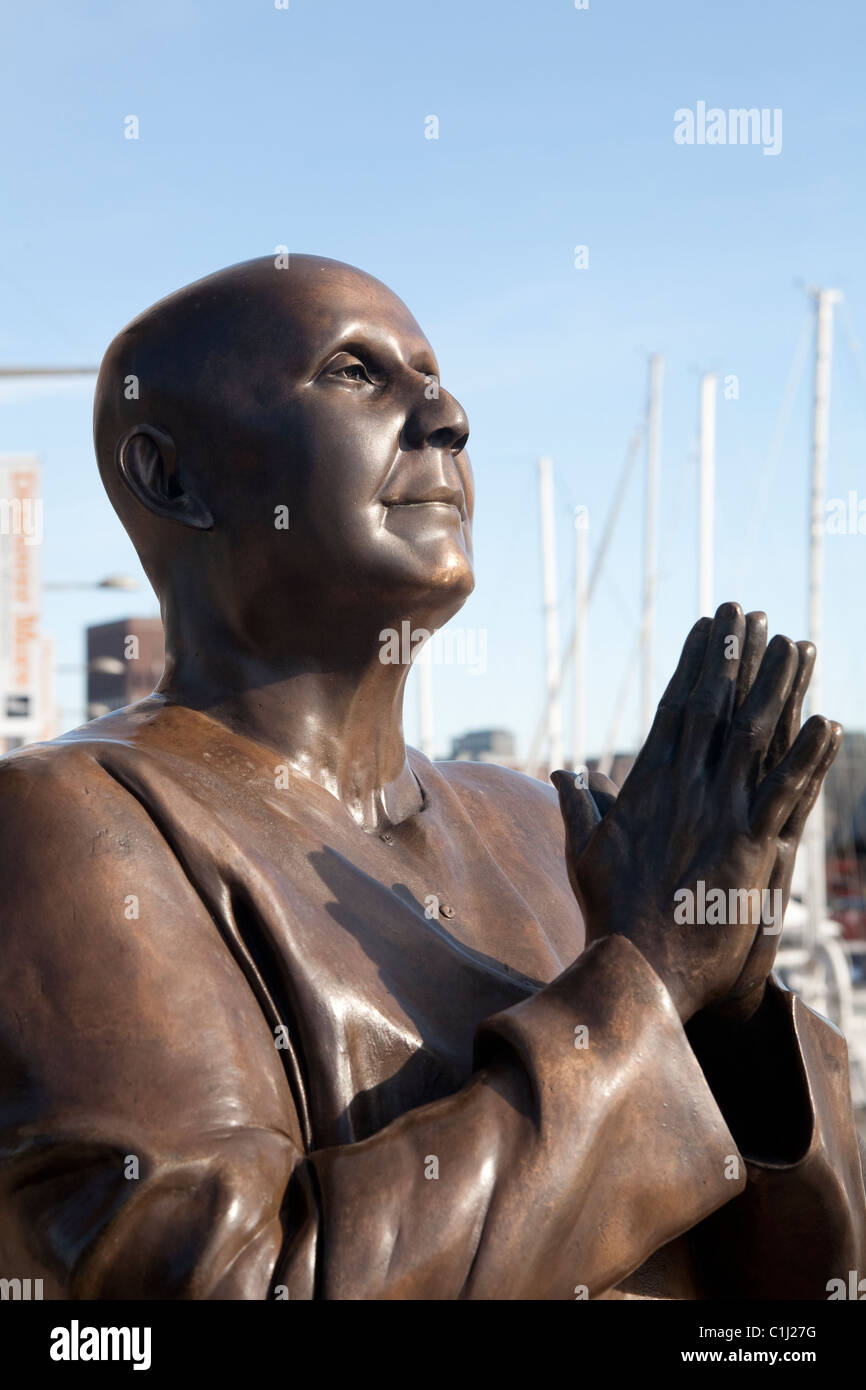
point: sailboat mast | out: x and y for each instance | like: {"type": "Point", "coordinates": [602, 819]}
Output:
{"type": "Point", "coordinates": [707, 496]}
{"type": "Point", "coordinates": [654, 425]}
{"type": "Point", "coordinates": [825, 301]}
{"type": "Point", "coordinates": [551, 613]}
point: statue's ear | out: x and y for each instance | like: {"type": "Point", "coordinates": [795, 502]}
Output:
{"type": "Point", "coordinates": [147, 462]}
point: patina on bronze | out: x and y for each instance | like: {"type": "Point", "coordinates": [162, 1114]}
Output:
{"type": "Point", "coordinates": [243, 1055]}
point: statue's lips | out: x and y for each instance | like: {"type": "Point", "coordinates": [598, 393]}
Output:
{"type": "Point", "coordinates": [451, 504]}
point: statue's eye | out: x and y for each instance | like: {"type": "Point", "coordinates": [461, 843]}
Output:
{"type": "Point", "coordinates": [349, 368]}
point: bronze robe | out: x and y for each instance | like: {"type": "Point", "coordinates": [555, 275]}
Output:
{"type": "Point", "coordinates": [244, 1056]}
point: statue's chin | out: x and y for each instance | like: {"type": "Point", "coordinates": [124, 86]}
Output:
{"type": "Point", "coordinates": [447, 587]}
{"type": "Point", "coordinates": [438, 569]}
{"type": "Point", "coordinates": [443, 607]}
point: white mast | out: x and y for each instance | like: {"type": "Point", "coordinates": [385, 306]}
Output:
{"type": "Point", "coordinates": [815, 827]}
{"type": "Point", "coordinates": [708, 474]}
{"type": "Point", "coordinates": [654, 422]}
{"type": "Point", "coordinates": [551, 613]}
{"type": "Point", "coordinates": [581, 615]}
{"type": "Point", "coordinates": [425, 698]}
{"type": "Point", "coordinates": [607, 532]}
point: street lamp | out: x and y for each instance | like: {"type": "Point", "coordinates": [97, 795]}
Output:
{"type": "Point", "coordinates": [112, 581]}
{"type": "Point", "coordinates": [100, 665]}
{"type": "Point", "coordinates": [48, 371]}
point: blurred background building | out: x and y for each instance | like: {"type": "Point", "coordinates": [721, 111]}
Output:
{"type": "Point", "coordinates": [485, 746]}
{"type": "Point", "coordinates": [124, 662]}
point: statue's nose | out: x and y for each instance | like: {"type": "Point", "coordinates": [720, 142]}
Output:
{"type": "Point", "coordinates": [437, 422]}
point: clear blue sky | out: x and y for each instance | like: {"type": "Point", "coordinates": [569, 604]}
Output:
{"type": "Point", "coordinates": [305, 127]}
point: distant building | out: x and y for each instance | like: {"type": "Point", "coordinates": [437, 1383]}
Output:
{"type": "Point", "coordinates": [23, 716]}
{"type": "Point", "coordinates": [845, 796]}
{"type": "Point", "coordinates": [484, 746]}
{"type": "Point", "coordinates": [124, 662]}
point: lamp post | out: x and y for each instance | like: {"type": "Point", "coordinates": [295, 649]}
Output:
{"type": "Point", "coordinates": [112, 581]}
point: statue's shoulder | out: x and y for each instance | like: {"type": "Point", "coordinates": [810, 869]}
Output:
{"type": "Point", "coordinates": [43, 784]}
{"type": "Point", "coordinates": [50, 793]}
{"type": "Point", "coordinates": [71, 833]}
{"type": "Point", "coordinates": [74, 760]}
{"type": "Point", "coordinates": [41, 769]}
{"type": "Point", "coordinates": [509, 790]}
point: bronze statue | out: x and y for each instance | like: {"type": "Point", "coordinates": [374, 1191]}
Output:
{"type": "Point", "coordinates": [290, 1011]}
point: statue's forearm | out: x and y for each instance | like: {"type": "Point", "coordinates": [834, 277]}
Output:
{"type": "Point", "coordinates": [613, 1148]}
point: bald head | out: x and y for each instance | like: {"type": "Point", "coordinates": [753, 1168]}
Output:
{"type": "Point", "coordinates": [192, 360]}
{"type": "Point", "coordinates": [296, 386]}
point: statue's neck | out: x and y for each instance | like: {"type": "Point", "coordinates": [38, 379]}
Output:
{"type": "Point", "coordinates": [341, 728]}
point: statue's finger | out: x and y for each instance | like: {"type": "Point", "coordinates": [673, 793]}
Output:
{"type": "Point", "coordinates": [754, 723]}
{"type": "Point", "coordinates": [709, 706]}
{"type": "Point", "coordinates": [789, 720]}
{"type": "Point", "coordinates": [579, 811]}
{"type": "Point", "coordinates": [665, 731]}
{"type": "Point", "coordinates": [781, 790]}
{"type": "Point", "coordinates": [794, 825]}
{"type": "Point", "coordinates": [754, 646]}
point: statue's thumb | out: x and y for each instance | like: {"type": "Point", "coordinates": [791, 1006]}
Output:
{"type": "Point", "coordinates": [578, 808]}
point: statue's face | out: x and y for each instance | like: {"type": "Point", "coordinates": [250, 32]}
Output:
{"type": "Point", "coordinates": [336, 412]}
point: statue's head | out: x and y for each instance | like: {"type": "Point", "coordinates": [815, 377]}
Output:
{"type": "Point", "coordinates": [276, 442]}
